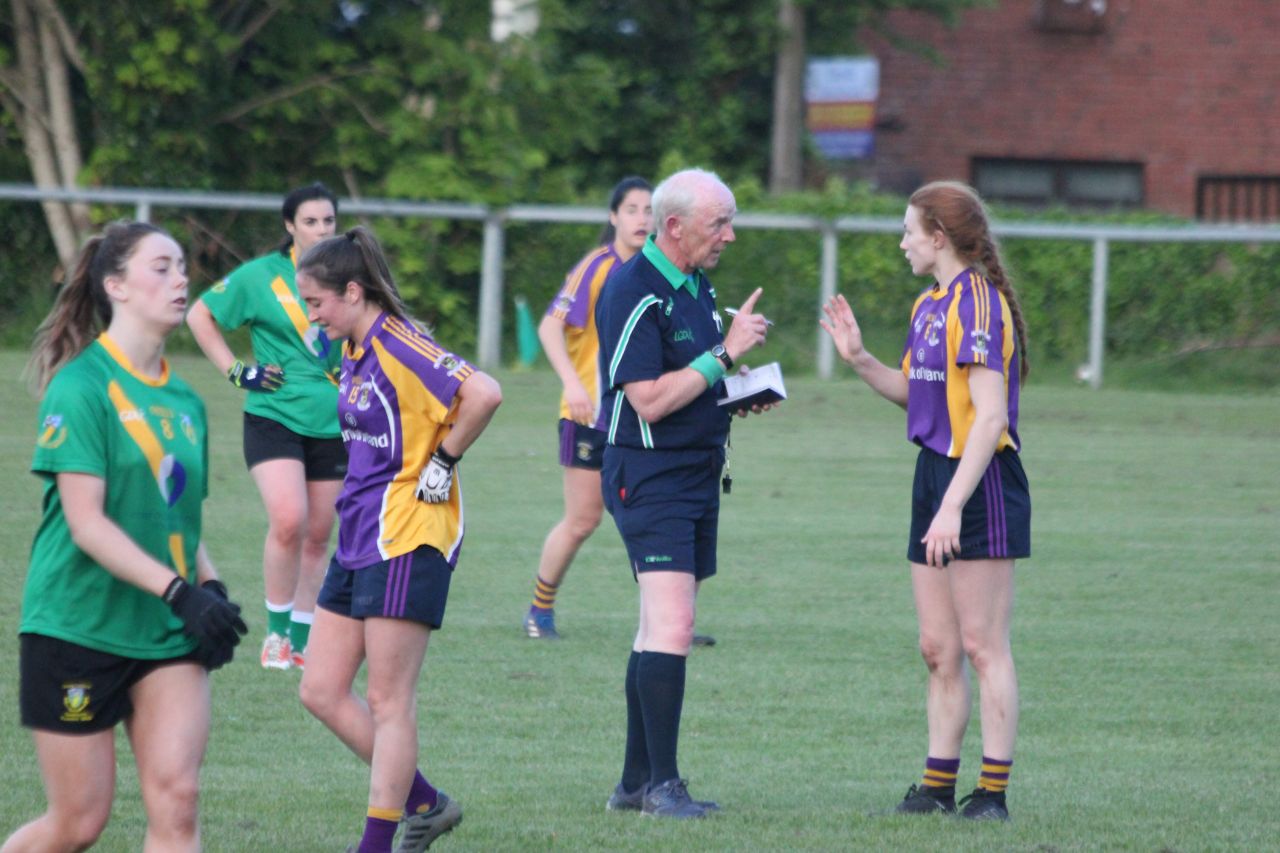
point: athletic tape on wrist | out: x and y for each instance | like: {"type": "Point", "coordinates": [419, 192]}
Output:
{"type": "Point", "coordinates": [711, 368]}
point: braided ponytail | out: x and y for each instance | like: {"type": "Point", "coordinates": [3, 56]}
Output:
{"type": "Point", "coordinates": [955, 209]}
{"type": "Point", "coordinates": [989, 260]}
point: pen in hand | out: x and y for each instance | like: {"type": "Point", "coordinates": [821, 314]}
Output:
{"type": "Point", "coordinates": [733, 312]}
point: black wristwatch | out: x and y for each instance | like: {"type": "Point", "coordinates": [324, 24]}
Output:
{"type": "Point", "coordinates": [723, 354]}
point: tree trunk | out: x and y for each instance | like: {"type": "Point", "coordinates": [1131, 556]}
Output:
{"type": "Point", "coordinates": [66, 146]}
{"type": "Point", "coordinates": [40, 129]}
{"type": "Point", "coordinates": [786, 161]}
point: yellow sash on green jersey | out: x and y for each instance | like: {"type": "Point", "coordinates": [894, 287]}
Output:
{"type": "Point", "coordinates": [170, 476]}
{"type": "Point", "coordinates": [298, 317]}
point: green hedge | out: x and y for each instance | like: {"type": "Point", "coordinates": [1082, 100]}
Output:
{"type": "Point", "coordinates": [1166, 301]}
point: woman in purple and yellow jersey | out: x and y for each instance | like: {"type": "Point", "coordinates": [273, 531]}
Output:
{"type": "Point", "coordinates": [291, 443]}
{"type": "Point", "coordinates": [409, 410]}
{"type": "Point", "coordinates": [568, 335]}
{"type": "Point", "coordinates": [962, 367]}
{"type": "Point", "coordinates": [123, 614]}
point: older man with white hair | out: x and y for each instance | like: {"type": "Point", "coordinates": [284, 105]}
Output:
{"type": "Point", "coordinates": [663, 356]}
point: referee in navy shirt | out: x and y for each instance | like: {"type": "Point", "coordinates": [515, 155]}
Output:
{"type": "Point", "coordinates": [663, 356]}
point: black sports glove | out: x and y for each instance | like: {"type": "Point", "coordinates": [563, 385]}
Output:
{"type": "Point", "coordinates": [214, 657]}
{"type": "Point", "coordinates": [255, 377]}
{"type": "Point", "coordinates": [211, 657]}
{"type": "Point", "coordinates": [206, 615]}
{"type": "Point", "coordinates": [219, 588]}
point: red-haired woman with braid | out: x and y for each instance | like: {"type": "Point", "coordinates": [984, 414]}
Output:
{"type": "Point", "coordinates": [961, 370]}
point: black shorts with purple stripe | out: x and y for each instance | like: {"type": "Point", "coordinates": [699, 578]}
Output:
{"type": "Point", "coordinates": [413, 586]}
{"type": "Point", "coordinates": [581, 446]}
{"type": "Point", "coordinates": [995, 523]}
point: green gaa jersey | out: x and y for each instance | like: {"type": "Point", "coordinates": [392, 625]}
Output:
{"type": "Point", "coordinates": [147, 439]}
{"type": "Point", "coordinates": [262, 293]}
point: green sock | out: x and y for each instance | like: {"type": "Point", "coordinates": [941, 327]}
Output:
{"type": "Point", "coordinates": [299, 630]}
{"type": "Point", "coordinates": [278, 618]}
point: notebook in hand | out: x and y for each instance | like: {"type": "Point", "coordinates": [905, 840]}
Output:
{"type": "Point", "coordinates": [757, 387]}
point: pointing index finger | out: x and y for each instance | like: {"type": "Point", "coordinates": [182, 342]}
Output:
{"type": "Point", "coordinates": [750, 304]}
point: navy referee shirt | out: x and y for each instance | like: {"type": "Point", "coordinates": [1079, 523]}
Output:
{"type": "Point", "coordinates": [653, 319]}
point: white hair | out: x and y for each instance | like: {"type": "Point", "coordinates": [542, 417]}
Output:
{"type": "Point", "coordinates": [678, 194]}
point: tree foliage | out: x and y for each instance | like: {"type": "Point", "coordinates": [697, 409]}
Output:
{"type": "Point", "coordinates": [414, 99]}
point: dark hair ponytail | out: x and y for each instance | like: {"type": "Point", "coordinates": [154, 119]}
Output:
{"type": "Point", "coordinates": [616, 198]}
{"type": "Point", "coordinates": [82, 308]}
{"type": "Point", "coordinates": [355, 256]}
{"type": "Point", "coordinates": [295, 199]}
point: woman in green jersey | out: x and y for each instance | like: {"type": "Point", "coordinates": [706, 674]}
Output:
{"type": "Point", "coordinates": [122, 613]}
{"type": "Point", "coordinates": [292, 442]}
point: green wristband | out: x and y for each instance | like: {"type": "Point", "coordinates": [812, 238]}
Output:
{"type": "Point", "coordinates": [711, 368]}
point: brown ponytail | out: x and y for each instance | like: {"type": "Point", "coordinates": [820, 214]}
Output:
{"type": "Point", "coordinates": [355, 256]}
{"type": "Point", "coordinates": [956, 210]}
{"type": "Point", "coordinates": [82, 308]}
{"type": "Point", "coordinates": [989, 261]}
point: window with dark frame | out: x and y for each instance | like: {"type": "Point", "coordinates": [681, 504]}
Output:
{"type": "Point", "coordinates": [1076, 183]}
{"type": "Point", "coordinates": [1070, 16]}
{"type": "Point", "coordinates": [1238, 198]}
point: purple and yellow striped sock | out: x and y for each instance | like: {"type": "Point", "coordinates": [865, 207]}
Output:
{"type": "Point", "coordinates": [995, 774]}
{"type": "Point", "coordinates": [379, 830]}
{"type": "Point", "coordinates": [544, 594]}
{"type": "Point", "coordinates": [940, 772]}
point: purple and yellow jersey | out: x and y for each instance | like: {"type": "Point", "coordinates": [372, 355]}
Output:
{"type": "Point", "coordinates": [575, 304]}
{"type": "Point", "coordinates": [967, 322]}
{"type": "Point", "coordinates": [395, 403]}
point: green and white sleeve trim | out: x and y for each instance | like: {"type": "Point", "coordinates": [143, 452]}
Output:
{"type": "Point", "coordinates": [627, 331]}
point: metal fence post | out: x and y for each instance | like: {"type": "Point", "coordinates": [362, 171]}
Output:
{"type": "Point", "coordinates": [1098, 311]}
{"type": "Point", "coordinates": [489, 333]}
{"type": "Point", "coordinates": [827, 289]}
{"type": "Point", "coordinates": [490, 309]}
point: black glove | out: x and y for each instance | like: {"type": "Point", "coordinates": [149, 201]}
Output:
{"type": "Point", "coordinates": [209, 657]}
{"type": "Point", "coordinates": [255, 377]}
{"type": "Point", "coordinates": [208, 616]}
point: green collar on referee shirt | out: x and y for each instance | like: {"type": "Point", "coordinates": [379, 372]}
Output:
{"type": "Point", "coordinates": [670, 271]}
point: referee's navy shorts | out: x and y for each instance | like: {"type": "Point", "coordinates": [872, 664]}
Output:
{"type": "Point", "coordinates": [996, 522]}
{"type": "Point", "coordinates": [413, 586]}
{"type": "Point", "coordinates": [581, 446]}
{"type": "Point", "coordinates": [321, 458]}
{"type": "Point", "coordinates": [666, 505]}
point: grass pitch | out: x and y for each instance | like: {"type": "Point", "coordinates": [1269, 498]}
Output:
{"type": "Point", "coordinates": [1145, 633]}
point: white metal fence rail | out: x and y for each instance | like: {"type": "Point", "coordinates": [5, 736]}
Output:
{"type": "Point", "coordinates": [489, 321]}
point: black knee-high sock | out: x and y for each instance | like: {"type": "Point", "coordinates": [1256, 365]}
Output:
{"type": "Point", "coordinates": [660, 679]}
{"type": "Point", "coordinates": [635, 764]}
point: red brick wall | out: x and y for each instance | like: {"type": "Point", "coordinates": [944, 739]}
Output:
{"type": "Point", "coordinates": [1186, 87]}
